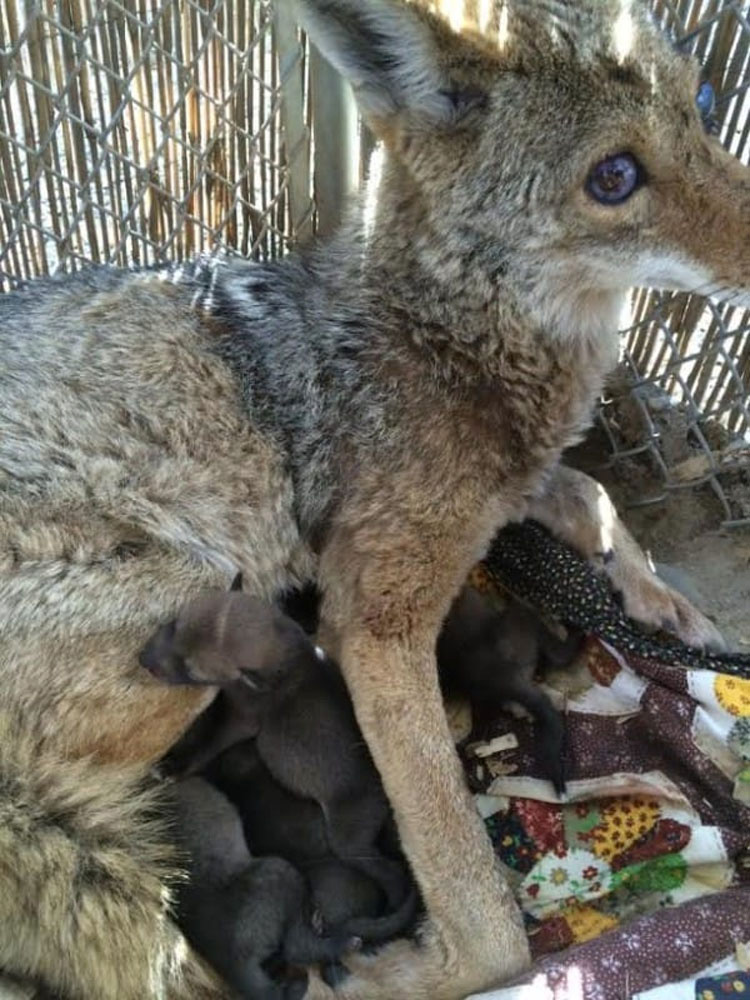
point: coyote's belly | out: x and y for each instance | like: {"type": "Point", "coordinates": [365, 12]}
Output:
{"type": "Point", "coordinates": [130, 478]}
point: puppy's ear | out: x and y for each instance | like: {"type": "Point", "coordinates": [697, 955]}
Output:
{"type": "Point", "coordinates": [237, 582]}
{"type": "Point", "coordinates": [159, 647]}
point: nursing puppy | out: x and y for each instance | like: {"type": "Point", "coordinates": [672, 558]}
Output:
{"type": "Point", "coordinates": [277, 822]}
{"type": "Point", "coordinates": [279, 689]}
{"type": "Point", "coordinates": [239, 912]}
{"type": "Point", "coordinates": [228, 640]}
{"type": "Point", "coordinates": [491, 657]}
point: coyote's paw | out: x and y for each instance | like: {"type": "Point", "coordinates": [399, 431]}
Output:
{"type": "Point", "coordinates": [577, 509]}
{"type": "Point", "coordinates": [427, 970]}
{"type": "Point", "coordinates": [376, 976]}
{"type": "Point", "coordinates": [651, 602]}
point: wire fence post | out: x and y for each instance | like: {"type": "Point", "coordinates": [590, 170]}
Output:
{"type": "Point", "coordinates": [336, 142]}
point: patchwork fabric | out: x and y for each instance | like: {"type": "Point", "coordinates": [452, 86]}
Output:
{"type": "Point", "coordinates": [732, 984]}
{"type": "Point", "coordinates": [641, 877]}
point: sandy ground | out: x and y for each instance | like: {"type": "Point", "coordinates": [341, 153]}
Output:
{"type": "Point", "coordinates": [717, 563]}
{"type": "Point", "coordinates": [683, 531]}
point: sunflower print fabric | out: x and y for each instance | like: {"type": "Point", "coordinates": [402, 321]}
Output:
{"type": "Point", "coordinates": [637, 882]}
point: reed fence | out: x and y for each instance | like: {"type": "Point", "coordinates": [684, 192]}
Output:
{"type": "Point", "coordinates": [137, 130]}
{"type": "Point", "coordinates": [682, 401]}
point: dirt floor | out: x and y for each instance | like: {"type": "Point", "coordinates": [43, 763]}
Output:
{"type": "Point", "coordinates": [683, 531]}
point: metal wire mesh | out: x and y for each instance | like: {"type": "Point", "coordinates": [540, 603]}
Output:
{"type": "Point", "coordinates": [135, 130]}
{"type": "Point", "coordinates": [681, 399]}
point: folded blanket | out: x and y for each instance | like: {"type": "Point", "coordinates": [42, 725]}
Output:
{"type": "Point", "coordinates": [549, 575]}
{"type": "Point", "coordinates": [641, 877]}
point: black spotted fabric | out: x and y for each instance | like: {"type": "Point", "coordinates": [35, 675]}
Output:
{"type": "Point", "coordinates": [527, 560]}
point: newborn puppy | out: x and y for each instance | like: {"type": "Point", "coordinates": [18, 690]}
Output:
{"type": "Point", "coordinates": [227, 640]}
{"type": "Point", "coordinates": [237, 911]}
{"type": "Point", "coordinates": [296, 703]}
{"type": "Point", "coordinates": [341, 894]}
{"type": "Point", "coordinates": [276, 821]}
{"type": "Point", "coordinates": [491, 656]}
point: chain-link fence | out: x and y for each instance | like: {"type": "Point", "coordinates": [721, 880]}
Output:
{"type": "Point", "coordinates": [139, 130]}
{"type": "Point", "coordinates": [679, 405]}
{"type": "Point", "coordinates": [680, 402]}
{"type": "Point", "coordinates": [135, 130]}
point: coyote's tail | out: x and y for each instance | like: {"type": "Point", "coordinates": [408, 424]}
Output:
{"type": "Point", "coordinates": [84, 880]}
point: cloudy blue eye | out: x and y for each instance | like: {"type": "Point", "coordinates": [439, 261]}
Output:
{"type": "Point", "coordinates": [612, 181]}
{"type": "Point", "coordinates": [705, 99]}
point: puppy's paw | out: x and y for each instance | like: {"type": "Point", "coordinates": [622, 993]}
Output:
{"type": "Point", "coordinates": [352, 943]}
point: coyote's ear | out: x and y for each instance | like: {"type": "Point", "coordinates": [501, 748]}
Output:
{"type": "Point", "coordinates": [237, 582]}
{"type": "Point", "coordinates": [388, 53]}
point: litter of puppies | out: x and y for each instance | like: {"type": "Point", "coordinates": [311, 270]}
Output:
{"type": "Point", "coordinates": [291, 852]}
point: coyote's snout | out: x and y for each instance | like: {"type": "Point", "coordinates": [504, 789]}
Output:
{"type": "Point", "coordinates": [366, 416]}
{"type": "Point", "coordinates": [573, 155]}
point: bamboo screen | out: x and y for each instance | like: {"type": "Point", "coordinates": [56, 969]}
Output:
{"type": "Point", "coordinates": [136, 130]}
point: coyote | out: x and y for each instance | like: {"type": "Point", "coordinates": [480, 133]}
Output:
{"type": "Point", "coordinates": [366, 415]}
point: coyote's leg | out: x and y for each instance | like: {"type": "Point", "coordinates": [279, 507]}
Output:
{"type": "Point", "coordinates": [474, 936]}
{"type": "Point", "coordinates": [578, 510]}
{"type": "Point", "coordinates": [388, 584]}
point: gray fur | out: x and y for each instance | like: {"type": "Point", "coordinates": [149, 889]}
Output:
{"type": "Point", "coordinates": [367, 414]}
{"type": "Point", "coordinates": [295, 703]}
{"type": "Point", "coordinates": [277, 821]}
{"type": "Point", "coordinates": [237, 911]}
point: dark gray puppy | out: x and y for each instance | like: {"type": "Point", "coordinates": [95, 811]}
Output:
{"type": "Point", "coordinates": [227, 640]}
{"type": "Point", "coordinates": [278, 688]}
{"type": "Point", "coordinates": [276, 821]}
{"type": "Point", "coordinates": [491, 657]}
{"type": "Point", "coordinates": [239, 911]}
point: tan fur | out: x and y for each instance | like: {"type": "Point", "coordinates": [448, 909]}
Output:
{"type": "Point", "coordinates": [93, 827]}
{"type": "Point", "coordinates": [368, 417]}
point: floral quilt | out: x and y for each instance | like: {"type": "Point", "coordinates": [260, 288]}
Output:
{"type": "Point", "coordinates": [639, 879]}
